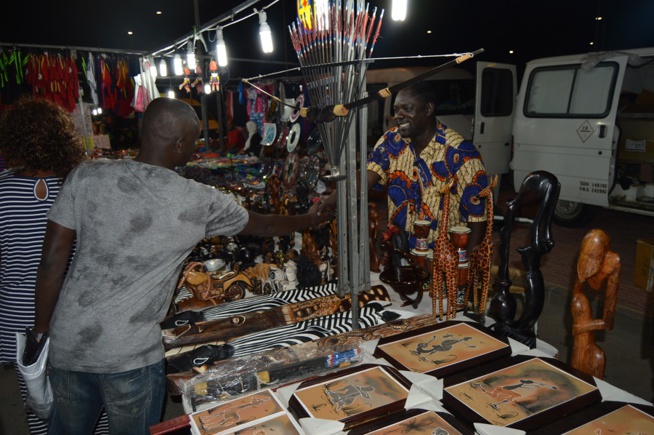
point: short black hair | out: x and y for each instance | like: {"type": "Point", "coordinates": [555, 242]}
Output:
{"type": "Point", "coordinates": [423, 90]}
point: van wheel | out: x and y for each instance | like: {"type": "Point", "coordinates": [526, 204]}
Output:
{"type": "Point", "coordinates": [573, 214]}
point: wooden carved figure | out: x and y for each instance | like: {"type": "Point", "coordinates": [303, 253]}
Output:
{"type": "Point", "coordinates": [538, 188]}
{"type": "Point", "coordinates": [445, 264]}
{"type": "Point", "coordinates": [480, 259]}
{"type": "Point", "coordinates": [597, 266]}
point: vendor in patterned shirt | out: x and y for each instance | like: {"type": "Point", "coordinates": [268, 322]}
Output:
{"type": "Point", "coordinates": [416, 159]}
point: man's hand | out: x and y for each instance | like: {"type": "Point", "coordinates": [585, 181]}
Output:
{"type": "Point", "coordinates": [321, 212]}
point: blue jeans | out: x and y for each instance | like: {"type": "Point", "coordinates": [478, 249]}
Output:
{"type": "Point", "coordinates": [133, 400]}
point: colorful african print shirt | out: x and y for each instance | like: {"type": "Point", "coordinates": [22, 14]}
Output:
{"type": "Point", "coordinates": [415, 183]}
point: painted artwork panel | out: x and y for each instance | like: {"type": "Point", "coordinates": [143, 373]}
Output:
{"type": "Point", "coordinates": [626, 420]}
{"type": "Point", "coordinates": [428, 423]}
{"type": "Point", "coordinates": [236, 412]}
{"type": "Point", "coordinates": [520, 391]}
{"type": "Point", "coordinates": [281, 424]}
{"type": "Point", "coordinates": [351, 395]}
{"type": "Point", "coordinates": [441, 348]}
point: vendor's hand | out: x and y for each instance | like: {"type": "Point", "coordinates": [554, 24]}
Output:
{"type": "Point", "coordinates": [321, 213]}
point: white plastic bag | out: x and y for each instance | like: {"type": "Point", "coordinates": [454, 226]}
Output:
{"type": "Point", "coordinates": [39, 391]}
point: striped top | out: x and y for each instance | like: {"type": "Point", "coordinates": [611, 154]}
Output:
{"type": "Point", "coordinates": [23, 219]}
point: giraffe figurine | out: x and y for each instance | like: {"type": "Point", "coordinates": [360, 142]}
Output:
{"type": "Point", "coordinates": [446, 262]}
{"type": "Point", "coordinates": [480, 259]}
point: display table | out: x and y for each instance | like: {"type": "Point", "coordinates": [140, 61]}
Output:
{"type": "Point", "coordinates": [426, 391]}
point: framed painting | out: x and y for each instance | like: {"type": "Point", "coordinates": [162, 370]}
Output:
{"type": "Point", "coordinates": [414, 421]}
{"type": "Point", "coordinates": [605, 418]}
{"type": "Point", "coordinates": [521, 392]}
{"type": "Point", "coordinates": [352, 396]}
{"type": "Point", "coordinates": [443, 349]}
{"type": "Point", "coordinates": [229, 414]}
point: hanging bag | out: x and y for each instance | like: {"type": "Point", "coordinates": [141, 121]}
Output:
{"type": "Point", "coordinates": [32, 357]}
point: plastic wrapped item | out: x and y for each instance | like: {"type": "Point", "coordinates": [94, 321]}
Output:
{"type": "Point", "coordinates": [238, 376]}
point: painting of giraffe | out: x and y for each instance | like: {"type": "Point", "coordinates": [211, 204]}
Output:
{"type": "Point", "coordinates": [445, 264]}
{"type": "Point", "coordinates": [480, 258]}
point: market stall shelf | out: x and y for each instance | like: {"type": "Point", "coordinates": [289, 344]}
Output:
{"type": "Point", "coordinates": [520, 392]}
{"type": "Point", "coordinates": [352, 396]}
{"type": "Point", "coordinates": [443, 349]}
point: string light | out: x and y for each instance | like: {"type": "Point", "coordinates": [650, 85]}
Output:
{"type": "Point", "coordinates": [221, 49]}
{"type": "Point", "coordinates": [265, 33]}
{"type": "Point", "coordinates": [153, 68]}
{"type": "Point", "coordinates": [163, 68]}
{"type": "Point", "coordinates": [207, 88]}
{"type": "Point", "coordinates": [171, 93]}
{"type": "Point", "coordinates": [399, 10]}
{"type": "Point", "coordinates": [177, 65]}
{"type": "Point", "coordinates": [190, 56]}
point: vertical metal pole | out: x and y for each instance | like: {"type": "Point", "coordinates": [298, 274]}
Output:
{"type": "Point", "coordinates": [364, 232]}
{"type": "Point", "coordinates": [205, 119]}
{"type": "Point", "coordinates": [354, 221]}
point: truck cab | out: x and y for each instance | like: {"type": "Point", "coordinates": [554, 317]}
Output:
{"type": "Point", "coordinates": [589, 120]}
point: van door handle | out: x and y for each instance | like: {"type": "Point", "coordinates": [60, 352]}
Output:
{"type": "Point", "coordinates": [481, 128]}
{"type": "Point", "coordinates": [602, 131]}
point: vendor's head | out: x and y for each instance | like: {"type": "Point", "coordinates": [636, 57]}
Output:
{"type": "Point", "coordinates": [170, 129]}
{"type": "Point", "coordinates": [414, 110]}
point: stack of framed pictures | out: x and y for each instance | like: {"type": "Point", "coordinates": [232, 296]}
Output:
{"type": "Point", "coordinates": [605, 418]}
{"type": "Point", "coordinates": [521, 392]}
{"type": "Point", "coordinates": [413, 421]}
{"type": "Point", "coordinates": [352, 396]}
{"type": "Point", "coordinates": [443, 349]}
{"type": "Point", "coordinates": [260, 412]}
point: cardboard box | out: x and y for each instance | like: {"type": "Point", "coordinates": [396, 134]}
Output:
{"type": "Point", "coordinates": [644, 269]}
{"type": "Point", "coordinates": [636, 140]}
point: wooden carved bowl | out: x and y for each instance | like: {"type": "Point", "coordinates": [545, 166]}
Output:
{"type": "Point", "coordinates": [403, 279]}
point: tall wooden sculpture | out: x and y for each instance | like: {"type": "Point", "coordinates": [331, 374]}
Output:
{"type": "Point", "coordinates": [538, 188]}
{"type": "Point", "coordinates": [597, 267]}
{"type": "Point", "coordinates": [446, 263]}
{"type": "Point", "coordinates": [480, 259]}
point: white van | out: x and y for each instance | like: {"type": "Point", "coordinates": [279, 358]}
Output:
{"type": "Point", "coordinates": [479, 108]}
{"type": "Point", "coordinates": [589, 120]}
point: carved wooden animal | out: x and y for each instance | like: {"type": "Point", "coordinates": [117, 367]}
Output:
{"type": "Point", "coordinates": [445, 264]}
{"type": "Point", "coordinates": [480, 259]}
{"type": "Point", "coordinates": [598, 268]}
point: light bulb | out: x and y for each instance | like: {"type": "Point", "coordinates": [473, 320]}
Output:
{"type": "Point", "coordinates": [207, 88]}
{"type": "Point", "coordinates": [171, 93]}
{"type": "Point", "coordinates": [163, 68]}
{"type": "Point", "coordinates": [190, 57]}
{"type": "Point", "coordinates": [99, 110]}
{"type": "Point", "coordinates": [399, 10]}
{"type": "Point", "coordinates": [177, 65]}
{"type": "Point", "coordinates": [265, 33]}
{"type": "Point", "coordinates": [221, 49]}
{"type": "Point", "coordinates": [153, 69]}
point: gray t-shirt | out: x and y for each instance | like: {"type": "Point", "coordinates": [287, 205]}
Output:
{"type": "Point", "coordinates": [135, 225]}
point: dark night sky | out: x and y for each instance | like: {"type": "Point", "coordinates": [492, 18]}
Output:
{"type": "Point", "coordinates": [532, 28]}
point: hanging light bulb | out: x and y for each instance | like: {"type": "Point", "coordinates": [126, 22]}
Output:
{"type": "Point", "coordinates": [177, 65]}
{"type": "Point", "coordinates": [207, 88]}
{"type": "Point", "coordinates": [190, 57]}
{"type": "Point", "coordinates": [171, 93]}
{"type": "Point", "coordinates": [221, 49]}
{"type": "Point", "coordinates": [399, 10]}
{"type": "Point", "coordinates": [99, 110]}
{"type": "Point", "coordinates": [153, 68]}
{"type": "Point", "coordinates": [265, 33]}
{"type": "Point", "coordinates": [163, 68]}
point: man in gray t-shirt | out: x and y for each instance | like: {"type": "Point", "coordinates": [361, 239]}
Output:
{"type": "Point", "coordinates": [134, 223]}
